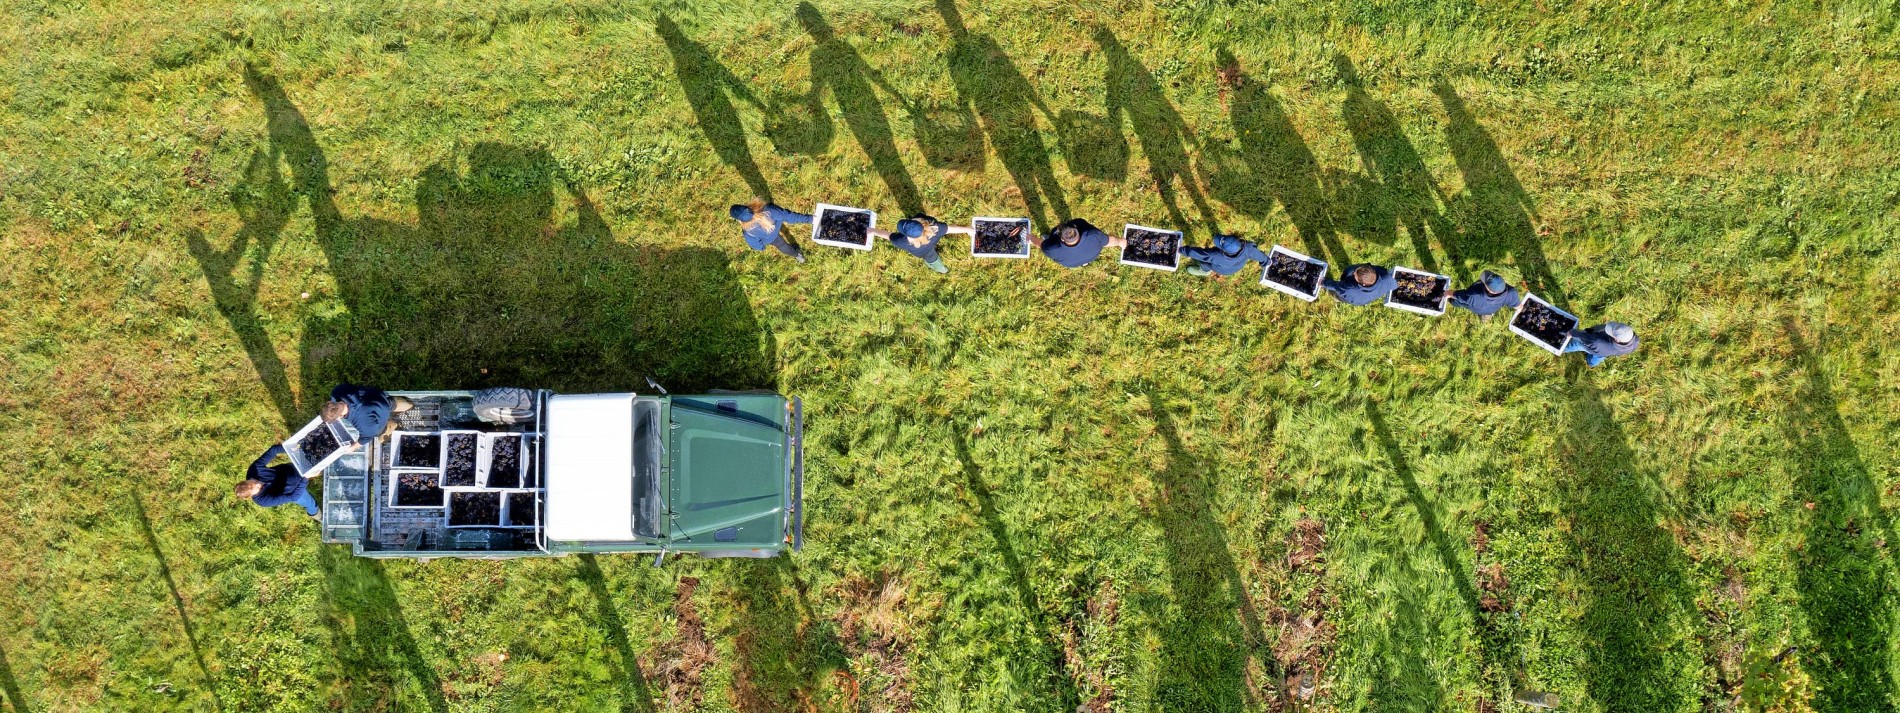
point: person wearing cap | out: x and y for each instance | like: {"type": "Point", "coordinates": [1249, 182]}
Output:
{"type": "Point", "coordinates": [1602, 342]}
{"type": "Point", "coordinates": [918, 235]}
{"type": "Point", "coordinates": [364, 412]}
{"type": "Point", "coordinates": [1225, 257]}
{"type": "Point", "coordinates": [762, 224]}
{"type": "Point", "coordinates": [1077, 243]}
{"type": "Point", "coordinates": [1365, 284]}
{"type": "Point", "coordinates": [272, 485]}
{"type": "Point", "coordinates": [1486, 296]}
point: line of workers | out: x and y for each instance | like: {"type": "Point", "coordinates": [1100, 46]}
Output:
{"type": "Point", "coordinates": [1076, 243]}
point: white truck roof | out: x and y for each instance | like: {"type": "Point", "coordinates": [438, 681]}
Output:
{"type": "Point", "coordinates": [590, 467]}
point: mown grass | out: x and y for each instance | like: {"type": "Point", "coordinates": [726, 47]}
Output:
{"type": "Point", "coordinates": [1029, 489]}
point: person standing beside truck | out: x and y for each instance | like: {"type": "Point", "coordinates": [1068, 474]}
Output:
{"type": "Point", "coordinates": [1365, 284]}
{"type": "Point", "coordinates": [1602, 342]}
{"type": "Point", "coordinates": [1225, 257]}
{"type": "Point", "coordinates": [1077, 243]}
{"type": "Point", "coordinates": [1486, 296]}
{"type": "Point", "coordinates": [918, 235]}
{"type": "Point", "coordinates": [269, 486]}
{"type": "Point", "coordinates": [763, 223]}
{"type": "Point", "coordinates": [364, 411]}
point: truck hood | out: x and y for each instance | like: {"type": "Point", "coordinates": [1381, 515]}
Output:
{"type": "Point", "coordinates": [728, 476]}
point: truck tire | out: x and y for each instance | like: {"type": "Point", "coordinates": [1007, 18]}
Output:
{"type": "Point", "coordinates": [505, 404]}
{"type": "Point", "coordinates": [747, 554]}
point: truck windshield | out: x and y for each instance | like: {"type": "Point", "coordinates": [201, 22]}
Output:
{"type": "Point", "coordinates": [649, 455]}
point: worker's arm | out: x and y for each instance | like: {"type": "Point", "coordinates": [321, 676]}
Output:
{"type": "Point", "coordinates": [785, 216]}
{"type": "Point", "coordinates": [260, 469]}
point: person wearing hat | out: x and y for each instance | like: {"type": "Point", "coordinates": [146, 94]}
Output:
{"type": "Point", "coordinates": [1365, 284]}
{"type": "Point", "coordinates": [918, 235]}
{"type": "Point", "coordinates": [1486, 296]}
{"type": "Point", "coordinates": [272, 485]}
{"type": "Point", "coordinates": [1077, 243]}
{"type": "Point", "coordinates": [1225, 257]}
{"type": "Point", "coordinates": [364, 412]}
{"type": "Point", "coordinates": [1602, 341]}
{"type": "Point", "coordinates": [762, 224]}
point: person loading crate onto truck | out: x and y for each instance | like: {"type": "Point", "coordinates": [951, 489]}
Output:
{"type": "Point", "coordinates": [364, 411]}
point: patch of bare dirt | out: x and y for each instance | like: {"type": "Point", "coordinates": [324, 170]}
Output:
{"type": "Point", "coordinates": [1481, 537]}
{"type": "Point", "coordinates": [1305, 547]}
{"type": "Point", "coordinates": [870, 625]}
{"type": "Point", "coordinates": [1101, 613]}
{"type": "Point", "coordinates": [681, 662]}
{"type": "Point", "coordinates": [1493, 587]}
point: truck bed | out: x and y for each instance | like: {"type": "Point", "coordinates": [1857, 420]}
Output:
{"type": "Point", "coordinates": [389, 531]}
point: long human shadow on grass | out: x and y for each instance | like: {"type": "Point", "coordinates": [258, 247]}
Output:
{"type": "Point", "coordinates": [1204, 651]}
{"type": "Point", "coordinates": [1845, 580]}
{"type": "Point", "coordinates": [853, 83]}
{"type": "Point", "coordinates": [1064, 685]}
{"type": "Point", "coordinates": [1497, 652]}
{"type": "Point", "coordinates": [1497, 217]}
{"type": "Point", "coordinates": [784, 653]}
{"type": "Point", "coordinates": [487, 288]}
{"type": "Point", "coordinates": [370, 637]}
{"type": "Point", "coordinates": [1400, 193]}
{"type": "Point", "coordinates": [710, 89]}
{"type": "Point", "coordinates": [1633, 573]}
{"type": "Point", "coordinates": [1135, 94]}
{"type": "Point", "coordinates": [1006, 105]}
{"type": "Point", "coordinates": [11, 686]}
{"type": "Point", "coordinates": [1270, 164]}
{"type": "Point", "coordinates": [178, 600]}
{"type": "Point", "coordinates": [635, 694]}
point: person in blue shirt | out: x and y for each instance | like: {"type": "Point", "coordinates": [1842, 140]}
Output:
{"type": "Point", "coordinates": [1602, 342]}
{"type": "Point", "coordinates": [918, 235]}
{"type": "Point", "coordinates": [762, 224]}
{"type": "Point", "coordinates": [1077, 243]}
{"type": "Point", "coordinates": [1225, 257]}
{"type": "Point", "coordinates": [1486, 296]}
{"type": "Point", "coordinates": [364, 412]}
{"type": "Point", "coordinates": [1364, 284]}
{"type": "Point", "coordinates": [272, 485]}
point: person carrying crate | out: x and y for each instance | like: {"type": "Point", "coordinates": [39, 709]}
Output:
{"type": "Point", "coordinates": [1225, 257]}
{"type": "Point", "coordinates": [269, 485]}
{"type": "Point", "coordinates": [1365, 284]}
{"type": "Point", "coordinates": [364, 412]}
{"type": "Point", "coordinates": [918, 235]}
{"type": "Point", "coordinates": [763, 223]}
{"type": "Point", "coordinates": [1602, 342]}
{"type": "Point", "coordinates": [1486, 296]}
{"type": "Point", "coordinates": [1077, 243]}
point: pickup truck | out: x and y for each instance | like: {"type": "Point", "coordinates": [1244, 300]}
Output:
{"type": "Point", "coordinates": [717, 475]}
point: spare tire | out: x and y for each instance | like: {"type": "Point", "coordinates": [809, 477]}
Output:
{"type": "Point", "coordinates": [504, 404]}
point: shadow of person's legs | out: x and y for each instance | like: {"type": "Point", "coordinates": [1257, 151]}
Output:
{"type": "Point", "coordinates": [1006, 103]}
{"type": "Point", "coordinates": [1497, 653]}
{"type": "Point", "coordinates": [1845, 580]}
{"type": "Point", "coordinates": [1634, 575]}
{"type": "Point", "coordinates": [836, 65]}
{"type": "Point", "coordinates": [1497, 217]}
{"type": "Point", "coordinates": [1407, 196]}
{"type": "Point", "coordinates": [635, 695]}
{"type": "Point", "coordinates": [709, 89]}
{"type": "Point", "coordinates": [1164, 137]}
{"type": "Point", "coordinates": [371, 639]}
{"type": "Point", "coordinates": [1271, 164]}
{"type": "Point", "coordinates": [15, 700]}
{"type": "Point", "coordinates": [1064, 687]}
{"type": "Point", "coordinates": [178, 600]}
{"type": "Point", "coordinates": [1204, 652]}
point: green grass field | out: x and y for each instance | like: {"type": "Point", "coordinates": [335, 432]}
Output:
{"type": "Point", "coordinates": [1029, 489]}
